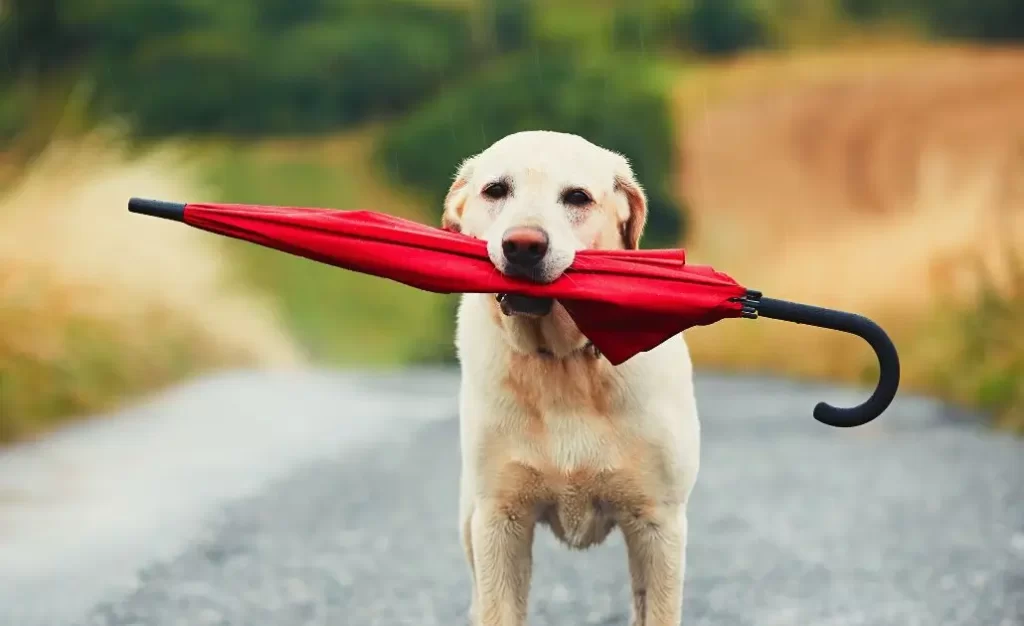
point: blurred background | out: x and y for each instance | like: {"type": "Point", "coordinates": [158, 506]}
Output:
{"type": "Point", "coordinates": [860, 154]}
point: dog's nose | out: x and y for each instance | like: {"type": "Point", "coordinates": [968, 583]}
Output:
{"type": "Point", "coordinates": [524, 246]}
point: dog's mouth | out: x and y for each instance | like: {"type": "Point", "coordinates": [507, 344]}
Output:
{"type": "Point", "coordinates": [512, 304]}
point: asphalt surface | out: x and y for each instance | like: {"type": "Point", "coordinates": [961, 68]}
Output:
{"type": "Point", "coordinates": [286, 499]}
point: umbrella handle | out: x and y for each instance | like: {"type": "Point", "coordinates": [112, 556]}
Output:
{"type": "Point", "coordinates": [888, 360]}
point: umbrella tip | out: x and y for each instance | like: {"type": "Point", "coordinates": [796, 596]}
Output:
{"type": "Point", "coordinates": [174, 211]}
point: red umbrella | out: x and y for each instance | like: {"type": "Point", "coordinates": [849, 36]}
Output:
{"type": "Point", "coordinates": [624, 301]}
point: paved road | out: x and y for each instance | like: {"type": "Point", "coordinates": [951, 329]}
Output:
{"type": "Point", "coordinates": [302, 499]}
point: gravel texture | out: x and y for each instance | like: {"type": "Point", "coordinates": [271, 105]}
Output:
{"type": "Point", "coordinates": [915, 519]}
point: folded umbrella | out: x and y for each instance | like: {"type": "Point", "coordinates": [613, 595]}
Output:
{"type": "Point", "coordinates": [624, 301]}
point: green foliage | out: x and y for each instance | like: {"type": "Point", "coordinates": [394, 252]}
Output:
{"type": "Point", "coordinates": [274, 14]}
{"type": "Point", "coordinates": [986, 367]}
{"type": "Point", "coordinates": [643, 28]}
{"type": "Point", "coordinates": [708, 27]}
{"type": "Point", "coordinates": [512, 21]}
{"type": "Point", "coordinates": [981, 20]}
{"type": "Point", "coordinates": [269, 66]}
{"type": "Point", "coordinates": [312, 77]}
{"type": "Point", "coordinates": [109, 29]}
{"type": "Point", "coordinates": [723, 27]}
{"type": "Point", "coordinates": [14, 111]}
{"type": "Point", "coordinates": [608, 102]}
{"type": "Point", "coordinates": [33, 37]}
{"type": "Point", "coordinates": [309, 77]}
{"type": "Point", "coordinates": [988, 20]}
{"type": "Point", "coordinates": [867, 10]}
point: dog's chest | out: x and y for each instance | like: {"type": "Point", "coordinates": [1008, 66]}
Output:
{"type": "Point", "coordinates": [584, 506]}
{"type": "Point", "coordinates": [581, 505]}
{"type": "Point", "coordinates": [568, 415]}
{"type": "Point", "coordinates": [573, 445]}
{"type": "Point", "coordinates": [580, 475]}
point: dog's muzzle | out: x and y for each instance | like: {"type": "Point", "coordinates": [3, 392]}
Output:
{"type": "Point", "coordinates": [512, 304]}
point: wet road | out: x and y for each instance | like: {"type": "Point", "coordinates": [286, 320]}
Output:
{"type": "Point", "coordinates": [323, 498]}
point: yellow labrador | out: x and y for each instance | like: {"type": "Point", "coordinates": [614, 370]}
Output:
{"type": "Point", "coordinates": [551, 433]}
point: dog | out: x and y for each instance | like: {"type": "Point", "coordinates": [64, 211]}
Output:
{"type": "Point", "coordinates": [550, 432]}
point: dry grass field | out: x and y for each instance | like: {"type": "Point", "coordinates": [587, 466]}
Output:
{"type": "Point", "coordinates": [100, 305]}
{"type": "Point", "coordinates": [886, 182]}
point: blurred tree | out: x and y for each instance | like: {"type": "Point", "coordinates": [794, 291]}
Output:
{"type": "Point", "coordinates": [642, 27]}
{"type": "Point", "coordinates": [15, 106]}
{"type": "Point", "coordinates": [501, 26]}
{"type": "Point", "coordinates": [610, 103]}
{"type": "Point", "coordinates": [986, 20]}
{"type": "Point", "coordinates": [723, 27]}
{"type": "Point", "coordinates": [278, 14]}
{"type": "Point", "coordinates": [980, 20]}
{"type": "Point", "coordinates": [113, 29]}
{"type": "Point", "coordinates": [34, 38]}
{"type": "Point", "coordinates": [867, 10]}
{"type": "Point", "coordinates": [512, 24]}
{"type": "Point", "coordinates": [272, 66]}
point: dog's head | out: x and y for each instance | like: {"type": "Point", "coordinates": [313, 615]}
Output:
{"type": "Point", "coordinates": [537, 197]}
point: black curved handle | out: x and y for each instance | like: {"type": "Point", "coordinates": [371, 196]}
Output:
{"type": "Point", "coordinates": [888, 359]}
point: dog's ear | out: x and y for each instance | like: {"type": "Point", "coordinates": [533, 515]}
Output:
{"type": "Point", "coordinates": [634, 218]}
{"type": "Point", "coordinates": [455, 200]}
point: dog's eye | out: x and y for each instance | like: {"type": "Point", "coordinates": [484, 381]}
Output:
{"type": "Point", "coordinates": [576, 197]}
{"type": "Point", "coordinates": [496, 191]}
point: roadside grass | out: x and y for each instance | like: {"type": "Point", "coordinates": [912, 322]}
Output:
{"type": "Point", "coordinates": [981, 358]}
{"type": "Point", "coordinates": [100, 307]}
{"type": "Point", "coordinates": [339, 317]}
{"type": "Point", "coordinates": [97, 306]}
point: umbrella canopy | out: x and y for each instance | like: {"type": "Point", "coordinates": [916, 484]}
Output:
{"type": "Point", "coordinates": [624, 301]}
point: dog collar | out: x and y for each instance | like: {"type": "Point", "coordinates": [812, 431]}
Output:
{"type": "Point", "coordinates": [586, 350]}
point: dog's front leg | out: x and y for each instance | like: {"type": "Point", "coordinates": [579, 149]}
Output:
{"type": "Point", "coordinates": [502, 545]}
{"type": "Point", "coordinates": [466, 534]}
{"type": "Point", "coordinates": [656, 545]}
